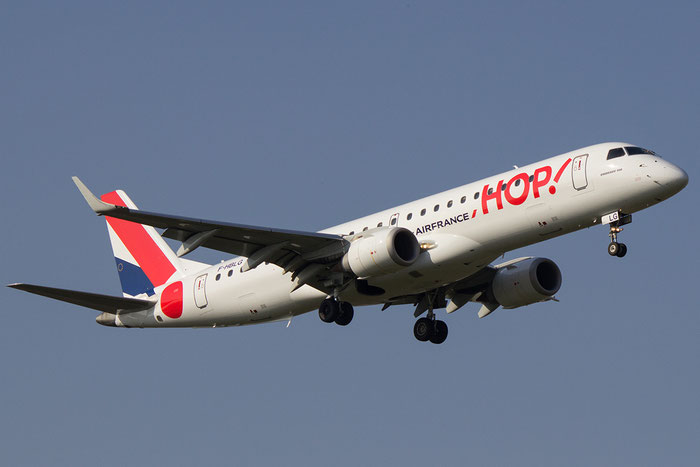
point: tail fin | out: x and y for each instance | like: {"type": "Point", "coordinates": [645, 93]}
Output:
{"type": "Point", "coordinates": [144, 260]}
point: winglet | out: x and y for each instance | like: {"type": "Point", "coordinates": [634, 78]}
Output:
{"type": "Point", "coordinates": [100, 207]}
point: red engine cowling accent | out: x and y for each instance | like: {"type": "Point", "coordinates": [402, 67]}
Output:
{"type": "Point", "coordinates": [171, 300]}
{"type": "Point", "coordinates": [526, 282]}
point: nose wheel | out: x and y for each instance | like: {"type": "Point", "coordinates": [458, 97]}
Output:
{"type": "Point", "coordinates": [617, 249]}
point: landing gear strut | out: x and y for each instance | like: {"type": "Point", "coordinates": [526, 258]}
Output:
{"type": "Point", "coordinates": [615, 248]}
{"type": "Point", "coordinates": [333, 310]}
{"type": "Point", "coordinates": [430, 329]}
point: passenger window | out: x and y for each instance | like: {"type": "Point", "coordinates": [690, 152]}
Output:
{"type": "Point", "coordinates": [517, 182]}
{"type": "Point", "coordinates": [476, 195]}
{"type": "Point", "coordinates": [617, 152]}
{"type": "Point", "coordinates": [218, 276]}
{"type": "Point", "coordinates": [532, 177]}
{"type": "Point", "coordinates": [490, 191]}
{"type": "Point", "coordinates": [393, 221]}
{"type": "Point", "coordinates": [410, 216]}
{"type": "Point", "coordinates": [230, 272]}
{"type": "Point", "coordinates": [503, 187]}
{"type": "Point", "coordinates": [422, 212]}
{"type": "Point", "coordinates": [463, 200]}
{"type": "Point", "coordinates": [352, 232]}
{"type": "Point", "coordinates": [436, 208]}
{"type": "Point", "coordinates": [449, 204]}
{"type": "Point", "coordinates": [380, 224]}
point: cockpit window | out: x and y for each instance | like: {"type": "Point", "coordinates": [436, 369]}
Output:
{"type": "Point", "coordinates": [634, 150]}
{"type": "Point", "coordinates": [617, 152]}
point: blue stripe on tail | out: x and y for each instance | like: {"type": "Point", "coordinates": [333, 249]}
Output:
{"type": "Point", "coordinates": [134, 280]}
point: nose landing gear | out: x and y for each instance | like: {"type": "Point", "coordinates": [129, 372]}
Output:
{"type": "Point", "coordinates": [617, 220]}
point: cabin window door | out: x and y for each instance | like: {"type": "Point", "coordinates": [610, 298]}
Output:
{"type": "Point", "coordinates": [578, 172]}
{"type": "Point", "coordinates": [200, 294]}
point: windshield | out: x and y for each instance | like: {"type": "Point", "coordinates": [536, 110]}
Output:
{"type": "Point", "coordinates": [634, 150]}
{"type": "Point", "coordinates": [617, 152]}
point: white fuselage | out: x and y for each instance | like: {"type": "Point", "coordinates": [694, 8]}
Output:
{"type": "Point", "coordinates": [461, 231]}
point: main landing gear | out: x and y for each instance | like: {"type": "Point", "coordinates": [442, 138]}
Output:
{"type": "Point", "coordinates": [615, 248]}
{"type": "Point", "coordinates": [333, 310]}
{"type": "Point", "coordinates": [430, 329]}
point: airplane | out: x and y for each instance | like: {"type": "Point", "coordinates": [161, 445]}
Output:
{"type": "Point", "coordinates": [432, 253]}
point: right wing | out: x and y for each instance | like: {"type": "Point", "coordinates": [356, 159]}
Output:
{"type": "Point", "coordinates": [95, 301]}
{"type": "Point", "coordinates": [474, 288]}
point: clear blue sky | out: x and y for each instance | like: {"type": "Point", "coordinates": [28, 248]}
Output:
{"type": "Point", "coordinates": [303, 115]}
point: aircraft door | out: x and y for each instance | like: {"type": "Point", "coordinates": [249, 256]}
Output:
{"type": "Point", "coordinates": [578, 172]}
{"type": "Point", "coordinates": [200, 294]}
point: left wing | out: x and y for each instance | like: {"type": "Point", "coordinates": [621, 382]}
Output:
{"type": "Point", "coordinates": [294, 251]}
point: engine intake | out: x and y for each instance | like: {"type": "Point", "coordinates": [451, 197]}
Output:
{"type": "Point", "coordinates": [526, 282]}
{"type": "Point", "coordinates": [381, 251]}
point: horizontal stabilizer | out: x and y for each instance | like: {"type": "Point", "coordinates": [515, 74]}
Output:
{"type": "Point", "coordinates": [95, 301]}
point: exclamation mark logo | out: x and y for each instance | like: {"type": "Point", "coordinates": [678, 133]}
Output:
{"type": "Point", "coordinates": [553, 189]}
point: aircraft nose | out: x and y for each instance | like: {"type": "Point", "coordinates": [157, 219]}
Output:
{"type": "Point", "coordinates": [679, 177]}
{"type": "Point", "coordinates": [674, 177]}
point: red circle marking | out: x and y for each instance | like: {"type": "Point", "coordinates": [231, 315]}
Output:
{"type": "Point", "coordinates": [552, 189]}
{"type": "Point", "coordinates": [171, 300]}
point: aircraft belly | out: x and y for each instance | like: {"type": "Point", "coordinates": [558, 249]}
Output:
{"type": "Point", "coordinates": [255, 296]}
{"type": "Point", "coordinates": [407, 284]}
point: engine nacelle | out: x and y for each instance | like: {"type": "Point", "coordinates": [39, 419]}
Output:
{"type": "Point", "coordinates": [381, 251]}
{"type": "Point", "coordinates": [526, 282]}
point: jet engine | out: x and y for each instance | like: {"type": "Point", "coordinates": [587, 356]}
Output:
{"type": "Point", "coordinates": [526, 282]}
{"type": "Point", "coordinates": [381, 251]}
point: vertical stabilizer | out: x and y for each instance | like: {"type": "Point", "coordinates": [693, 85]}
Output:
{"type": "Point", "coordinates": [144, 260]}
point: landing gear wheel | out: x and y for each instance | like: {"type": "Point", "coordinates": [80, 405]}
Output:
{"type": "Point", "coordinates": [345, 314]}
{"type": "Point", "coordinates": [423, 329]}
{"type": "Point", "coordinates": [614, 249]}
{"type": "Point", "coordinates": [329, 310]}
{"type": "Point", "coordinates": [439, 333]}
{"type": "Point", "coordinates": [622, 251]}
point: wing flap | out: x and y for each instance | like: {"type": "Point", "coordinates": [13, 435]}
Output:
{"type": "Point", "coordinates": [95, 301]}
